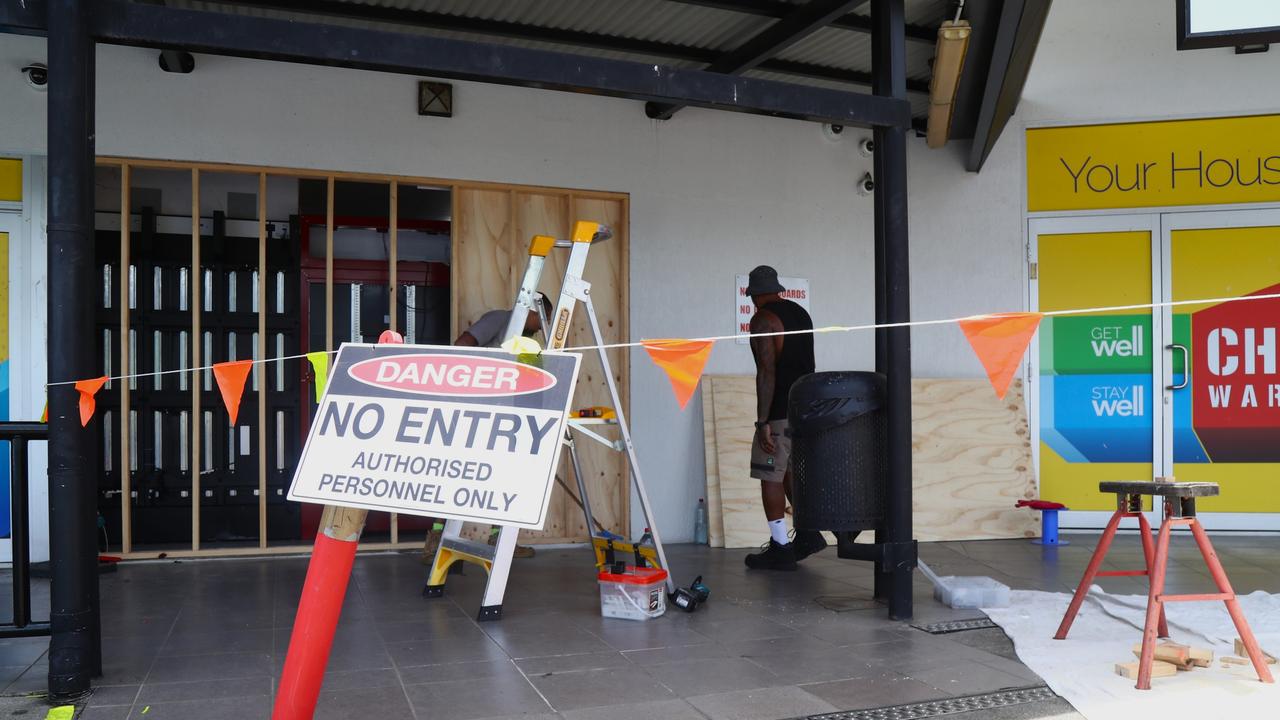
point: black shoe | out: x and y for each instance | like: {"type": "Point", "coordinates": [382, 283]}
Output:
{"type": "Point", "coordinates": [806, 543]}
{"type": "Point", "coordinates": [772, 557]}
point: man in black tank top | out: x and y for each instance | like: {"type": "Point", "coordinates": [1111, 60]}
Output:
{"type": "Point", "coordinates": [780, 361]}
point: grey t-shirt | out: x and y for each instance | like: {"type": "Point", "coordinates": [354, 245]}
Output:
{"type": "Point", "coordinates": [488, 330]}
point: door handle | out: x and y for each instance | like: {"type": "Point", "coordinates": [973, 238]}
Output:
{"type": "Point", "coordinates": [1186, 366]}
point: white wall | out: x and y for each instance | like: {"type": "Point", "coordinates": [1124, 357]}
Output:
{"type": "Point", "coordinates": [712, 193]}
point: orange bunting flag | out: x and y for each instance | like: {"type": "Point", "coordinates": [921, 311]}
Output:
{"type": "Point", "coordinates": [87, 389]}
{"type": "Point", "coordinates": [682, 361]}
{"type": "Point", "coordinates": [999, 341]}
{"type": "Point", "coordinates": [231, 377]}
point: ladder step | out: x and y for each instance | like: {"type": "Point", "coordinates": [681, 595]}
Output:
{"type": "Point", "coordinates": [482, 551]}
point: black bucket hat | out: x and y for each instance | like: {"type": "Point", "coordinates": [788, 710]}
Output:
{"type": "Point", "coordinates": [763, 281]}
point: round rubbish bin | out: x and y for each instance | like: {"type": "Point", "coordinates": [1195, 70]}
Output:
{"type": "Point", "coordinates": [837, 425]}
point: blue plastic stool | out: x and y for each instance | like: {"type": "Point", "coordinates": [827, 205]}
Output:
{"type": "Point", "coordinates": [1049, 528]}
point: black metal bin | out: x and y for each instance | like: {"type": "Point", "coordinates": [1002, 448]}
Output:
{"type": "Point", "coordinates": [838, 465]}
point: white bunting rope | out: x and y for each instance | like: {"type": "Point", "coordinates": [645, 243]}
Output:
{"type": "Point", "coordinates": [814, 331]}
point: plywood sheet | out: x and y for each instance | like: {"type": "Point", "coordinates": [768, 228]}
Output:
{"type": "Point", "coordinates": [715, 521]}
{"type": "Point", "coordinates": [492, 231]}
{"type": "Point", "coordinates": [971, 455]}
{"type": "Point", "coordinates": [971, 461]}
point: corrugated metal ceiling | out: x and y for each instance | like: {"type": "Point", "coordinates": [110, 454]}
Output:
{"type": "Point", "coordinates": [705, 29]}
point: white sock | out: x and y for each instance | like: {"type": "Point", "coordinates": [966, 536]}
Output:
{"type": "Point", "coordinates": [778, 531]}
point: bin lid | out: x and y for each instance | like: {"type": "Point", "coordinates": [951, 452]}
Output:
{"type": "Point", "coordinates": [635, 576]}
{"type": "Point", "coordinates": [825, 400]}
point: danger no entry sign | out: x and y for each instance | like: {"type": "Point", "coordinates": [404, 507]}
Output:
{"type": "Point", "coordinates": [470, 434]}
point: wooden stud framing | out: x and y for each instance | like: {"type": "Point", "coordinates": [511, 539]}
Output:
{"type": "Point", "coordinates": [262, 356]}
{"type": "Point", "coordinates": [393, 256]}
{"type": "Point", "coordinates": [126, 458]}
{"type": "Point", "coordinates": [328, 268]}
{"type": "Point", "coordinates": [196, 425]}
{"type": "Point", "coordinates": [513, 191]}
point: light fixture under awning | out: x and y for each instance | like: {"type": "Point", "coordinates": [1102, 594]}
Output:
{"type": "Point", "coordinates": [948, 63]}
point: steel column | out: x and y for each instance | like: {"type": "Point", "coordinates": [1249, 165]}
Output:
{"type": "Point", "coordinates": [73, 656]}
{"type": "Point", "coordinates": [889, 60]}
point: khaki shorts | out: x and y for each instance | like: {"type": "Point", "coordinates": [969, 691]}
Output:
{"type": "Point", "coordinates": [771, 468]}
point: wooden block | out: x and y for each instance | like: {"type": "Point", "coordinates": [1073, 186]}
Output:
{"type": "Point", "coordinates": [1158, 669]}
{"type": "Point", "coordinates": [1242, 652]}
{"type": "Point", "coordinates": [1231, 660]}
{"type": "Point", "coordinates": [1170, 652]}
{"type": "Point", "coordinates": [1201, 657]}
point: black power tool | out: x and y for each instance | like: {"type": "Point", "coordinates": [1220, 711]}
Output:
{"type": "Point", "coordinates": [688, 599]}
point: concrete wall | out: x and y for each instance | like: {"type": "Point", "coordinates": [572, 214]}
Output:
{"type": "Point", "coordinates": [712, 193]}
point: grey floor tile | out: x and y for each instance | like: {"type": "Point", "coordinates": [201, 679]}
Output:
{"type": "Point", "coordinates": [113, 694]}
{"type": "Point", "coordinates": [155, 693]}
{"type": "Point", "coordinates": [818, 665]}
{"type": "Point", "coordinates": [700, 677]}
{"type": "Point", "coordinates": [653, 710]}
{"type": "Point", "coordinates": [570, 663]}
{"type": "Point", "coordinates": [467, 700]}
{"type": "Point", "coordinates": [360, 679]}
{"type": "Point", "coordinates": [204, 709]}
{"type": "Point", "coordinates": [594, 688]}
{"type": "Point", "coordinates": [254, 641]}
{"type": "Point", "coordinates": [873, 692]}
{"type": "Point", "coordinates": [222, 666]}
{"type": "Point", "coordinates": [573, 641]}
{"type": "Point", "coordinates": [437, 652]}
{"type": "Point", "coordinates": [762, 704]}
{"type": "Point", "coordinates": [379, 702]}
{"type": "Point", "coordinates": [968, 678]}
{"type": "Point", "coordinates": [486, 671]}
{"type": "Point", "coordinates": [105, 712]}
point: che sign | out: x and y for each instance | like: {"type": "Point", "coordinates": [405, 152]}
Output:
{"type": "Point", "coordinates": [797, 290]}
{"type": "Point", "coordinates": [469, 434]}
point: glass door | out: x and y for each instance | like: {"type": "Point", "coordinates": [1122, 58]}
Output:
{"type": "Point", "coordinates": [1223, 418]}
{"type": "Point", "coordinates": [1096, 413]}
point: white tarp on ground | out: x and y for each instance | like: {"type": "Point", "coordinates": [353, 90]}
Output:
{"type": "Point", "coordinates": [1082, 668]}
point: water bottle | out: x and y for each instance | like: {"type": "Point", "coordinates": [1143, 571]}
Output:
{"type": "Point", "coordinates": [700, 523]}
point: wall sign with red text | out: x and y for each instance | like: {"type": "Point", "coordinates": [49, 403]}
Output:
{"type": "Point", "coordinates": [797, 290]}
{"type": "Point", "coordinates": [469, 434]}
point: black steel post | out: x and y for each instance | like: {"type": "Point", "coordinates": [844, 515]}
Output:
{"type": "Point", "coordinates": [72, 548]}
{"type": "Point", "coordinates": [893, 353]}
{"type": "Point", "coordinates": [20, 529]}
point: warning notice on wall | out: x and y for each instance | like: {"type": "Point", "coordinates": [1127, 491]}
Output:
{"type": "Point", "coordinates": [463, 433]}
{"type": "Point", "coordinates": [797, 290]}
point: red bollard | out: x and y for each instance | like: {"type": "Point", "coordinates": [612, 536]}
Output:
{"type": "Point", "coordinates": [320, 605]}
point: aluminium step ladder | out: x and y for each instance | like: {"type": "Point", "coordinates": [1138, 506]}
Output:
{"type": "Point", "coordinates": [496, 559]}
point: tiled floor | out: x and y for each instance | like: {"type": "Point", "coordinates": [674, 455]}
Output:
{"type": "Point", "coordinates": [197, 640]}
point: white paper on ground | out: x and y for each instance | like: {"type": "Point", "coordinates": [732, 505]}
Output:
{"type": "Point", "coordinates": [1082, 668]}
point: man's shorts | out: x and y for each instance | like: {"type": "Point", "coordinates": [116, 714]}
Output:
{"type": "Point", "coordinates": [766, 467]}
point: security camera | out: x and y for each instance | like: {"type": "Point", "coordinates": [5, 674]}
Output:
{"type": "Point", "coordinates": [866, 185]}
{"type": "Point", "coordinates": [867, 147]}
{"type": "Point", "coordinates": [37, 75]}
{"type": "Point", "coordinates": [832, 132]}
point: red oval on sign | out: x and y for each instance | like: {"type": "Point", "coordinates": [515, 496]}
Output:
{"type": "Point", "coordinates": [463, 375]}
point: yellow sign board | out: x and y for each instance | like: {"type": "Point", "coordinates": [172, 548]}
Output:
{"type": "Point", "coordinates": [10, 180]}
{"type": "Point", "coordinates": [1154, 164]}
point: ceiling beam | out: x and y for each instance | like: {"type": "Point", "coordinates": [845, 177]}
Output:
{"type": "Point", "coordinates": [127, 23]}
{"type": "Point", "coordinates": [796, 26]}
{"type": "Point", "coordinates": [781, 8]}
{"type": "Point", "coordinates": [1021, 23]}
{"type": "Point", "coordinates": [561, 36]}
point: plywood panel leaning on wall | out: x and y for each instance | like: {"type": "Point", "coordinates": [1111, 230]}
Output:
{"type": "Point", "coordinates": [715, 519]}
{"type": "Point", "coordinates": [971, 461]}
{"type": "Point", "coordinates": [492, 233]}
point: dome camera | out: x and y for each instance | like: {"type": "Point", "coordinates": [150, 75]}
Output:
{"type": "Point", "coordinates": [866, 185]}
{"type": "Point", "coordinates": [37, 75]}
{"type": "Point", "coordinates": [867, 147]}
{"type": "Point", "coordinates": [832, 132]}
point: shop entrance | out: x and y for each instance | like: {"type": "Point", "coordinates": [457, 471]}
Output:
{"type": "Point", "coordinates": [1191, 391]}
